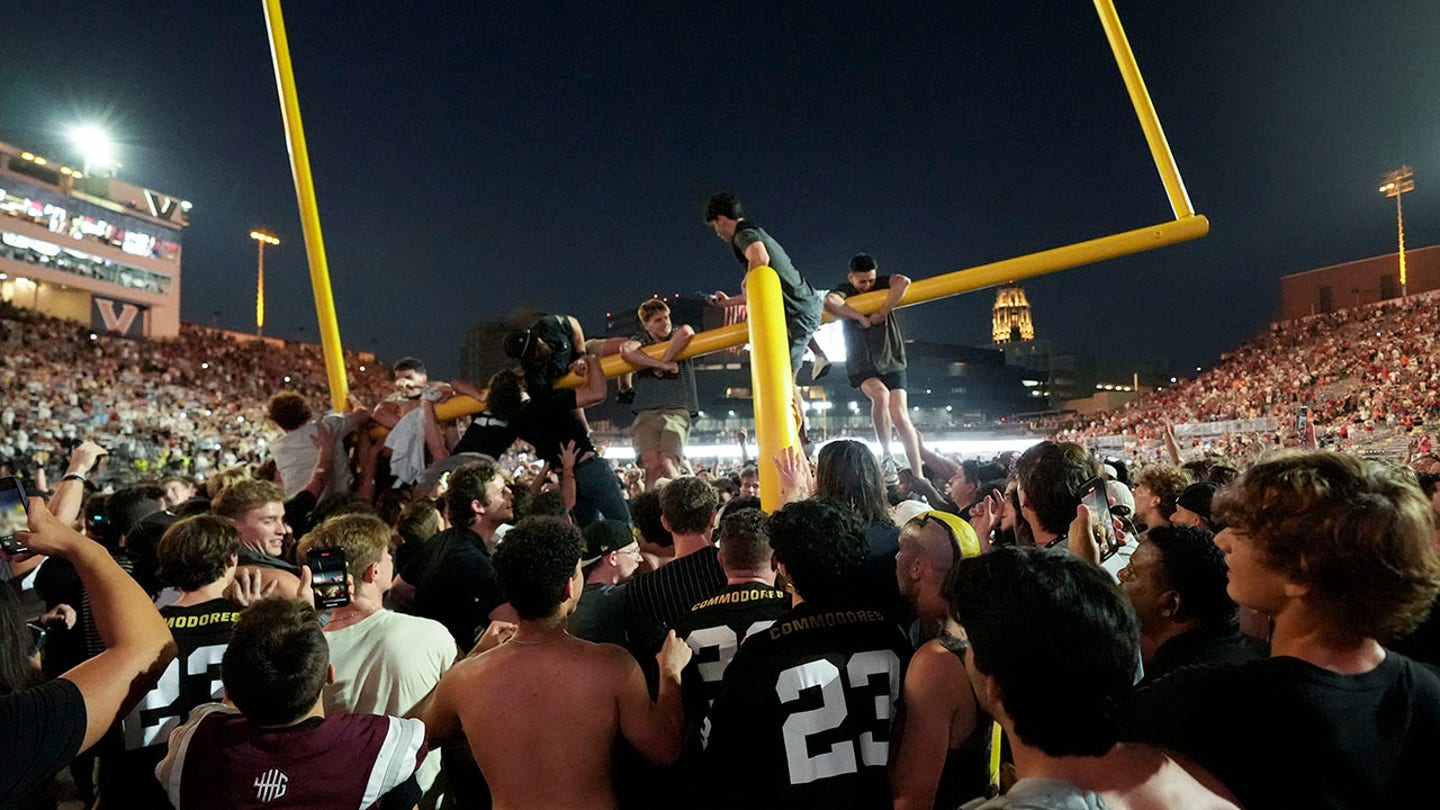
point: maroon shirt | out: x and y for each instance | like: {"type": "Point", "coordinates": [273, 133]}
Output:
{"type": "Point", "coordinates": [220, 759]}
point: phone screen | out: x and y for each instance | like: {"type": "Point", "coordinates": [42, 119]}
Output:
{"type": "Point", "coordinates": [1102, 525]}
{"type": "Point", "coordinates": [1302, 418]}
{"type": "Point", "coordinates": [327, 569]}
{"type": "Point", "coordinates": [14, 516]}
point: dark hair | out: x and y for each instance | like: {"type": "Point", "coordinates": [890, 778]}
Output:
{"type": "Point", "coordinates": [743, 540]}
{"type": "Point", "coordinates": [126, 507]}
{"type": "Point", "coordinates": [548, 504]}
{"type": "Point", "coordinates": [343, 503]}
{"type": "Point", "coordinates": [196, 551]}
{"type": "Point", "coordinates": [1032, 615]}
{"type": "Point", "coordinates": [723, 204]}
{"type": "Point", "coordinates": [1359, 533]}
{"type": "Point", "coordinates": [688, 505]}
{"type": "Point", "coordinates": [739, 502]}
{"type": "Point", "coordinates": [419, 521]}
{"type": "Point", "coordinates": [846, 472]}
{"type": "Point", "coordinates": [467, 483]}
{"type": "Point", "coordinates": [277, 661]}
{"type": "Point", "coordinates": [1193, 566]}
{"type": "Point", "coordinates": [1222, 474]}
{"type": "Point", "coordinates": [862, 263]}
{"type": "Point", "coordinates": [1051, 474]}
{"type": "Point", "coordinates": [502, 396]}
{"type": "Point", "coordinates": [289, 410]}
{"type": "Point", "coordinates": [17, 671]}
{"type": "Point", "coordinates": [1428, 481]}
{"type": "Point", "coordinates": [822, 546]}
{"type": "Point", "coordinates": [749, 471]}
{"type": "Point", "coordinates": [537, 558]}
{"type": "Point", "coordinates": [409, 364]}
{"type": "Point", "coordinates": [645, 512]}
{"type": "Point", "coordinates": [648, 309]}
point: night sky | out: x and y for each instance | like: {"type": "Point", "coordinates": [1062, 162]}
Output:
{"type": "Point", "coordinates": [472, 158]}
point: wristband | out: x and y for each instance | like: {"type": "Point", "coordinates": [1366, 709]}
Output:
{"type": "Point", "coordinates": [73, 477]}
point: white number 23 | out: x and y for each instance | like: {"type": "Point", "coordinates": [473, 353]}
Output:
{"type": "Point", "coordinates": [841, 756]}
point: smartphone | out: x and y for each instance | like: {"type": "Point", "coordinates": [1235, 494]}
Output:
{"type": "Point", "coordinates": [327, 569]}
{"type": "Point", "coordinates": [1302, 419]}
{"type": "Point", "coordinates": [14, 515]}
{"type": "Point", "coordinates": [1095, 498]}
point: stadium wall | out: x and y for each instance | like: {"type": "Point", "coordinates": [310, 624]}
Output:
{"type": "Point", "coordinates": [1341, 286]}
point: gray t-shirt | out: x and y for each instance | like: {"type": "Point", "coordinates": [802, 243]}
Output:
{"type": "Point", "coordinates": [1042, 794]}
{"type": "Point", "coordinates": [802, 303]}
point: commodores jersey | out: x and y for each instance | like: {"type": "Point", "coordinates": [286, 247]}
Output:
{"type": "Point", "coordinates": [714, 629]}
{"type": "Point", "coordinates": [806, 705]}
{"type": "Point", "coordinates": [136, 744]}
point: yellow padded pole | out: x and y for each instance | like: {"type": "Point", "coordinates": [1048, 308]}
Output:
{"type": "Point", "coordinates": [1145, 110]}
{"type": "Point", "coordinates": [771, 379]}
{"type": "Point", "coordinates": [309, 208]}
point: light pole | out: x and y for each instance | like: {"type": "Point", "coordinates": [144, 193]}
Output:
{"type": "Point", "coordinates": [264, 238]}
{"type": "Point", "coordinates": [1397, 183]}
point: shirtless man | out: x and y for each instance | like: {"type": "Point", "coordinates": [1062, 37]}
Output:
{"type": "Point", "coordinates": [546, 703]}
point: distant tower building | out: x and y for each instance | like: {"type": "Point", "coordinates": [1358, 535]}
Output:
{"type": "Point", "coordinates": [1011, 316]}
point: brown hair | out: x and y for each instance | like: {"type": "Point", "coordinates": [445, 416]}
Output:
{"type": "Point", "coordinates": [1358, 533]}
{"type": "Point", "coordinates": [364, 538]}
{"type": "Point", "coordinates": [649, 308]}
{"type": "Point", "coordinates": [1166, 482]}
{"type": "Point", "coordinates": [242, 496]}
{"type": "Point", "coordinates": [289, 410]}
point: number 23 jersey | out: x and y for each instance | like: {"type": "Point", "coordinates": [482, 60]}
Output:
{"type": "Point", "coordinates": [806, 706]}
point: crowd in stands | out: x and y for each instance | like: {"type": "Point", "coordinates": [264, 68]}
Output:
{"type": "Point", "coordinates": [186, 406]}
{"type": "Point", "coordinates": [371, 609]}
{"type": "Point", "coordinates": [1368, 376]}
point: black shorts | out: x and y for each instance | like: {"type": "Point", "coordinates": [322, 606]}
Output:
{"type": "Point", "coordinates": [895, 380]}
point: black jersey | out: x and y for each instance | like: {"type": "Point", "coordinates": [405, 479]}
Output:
{"type": "Point", "coordinates": [714, 629]}
{"type": "Point", "coordinates": [806, 705]}
{"type": "Point", "coordinates": [137, 743]}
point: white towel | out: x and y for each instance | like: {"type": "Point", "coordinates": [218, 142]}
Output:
{"type": "Point", "coordinates": [407, 448]}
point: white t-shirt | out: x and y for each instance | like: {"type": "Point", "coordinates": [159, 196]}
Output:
{"type": "Point", "coordinates": [295, 455]}
{"type": "Point", "coordinates": [386, 664]}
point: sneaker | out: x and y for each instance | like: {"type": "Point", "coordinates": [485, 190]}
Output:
{"type": "Point", "coordinates": [890, 471]}
{"type": "Point", "coordinates": [625, 396]}
{"type": "Point", "coordinates": [819, 368]}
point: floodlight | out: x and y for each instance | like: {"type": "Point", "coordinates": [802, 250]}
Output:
{"type": "Point", "coordinates": [94, 145]}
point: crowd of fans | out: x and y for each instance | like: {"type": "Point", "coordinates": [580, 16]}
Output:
{"type": "Point", "coordinates": [1368, 378]}
{"type": "Point", "coordinates": [299, 618]}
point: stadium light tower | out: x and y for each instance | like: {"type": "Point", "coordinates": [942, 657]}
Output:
{"type": "Point", "coordinates": [264, 237]}
{"type": "Point", "coordinates": [1397, 183]}
{"type": "Point", "coordinates": [96, 149]}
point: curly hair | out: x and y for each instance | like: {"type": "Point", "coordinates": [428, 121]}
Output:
{"type": "Point", "coordinates": [1358, 533]}
{"type": "Point", "coordinates": [1193, 566]}
{"type": "Point", "coordinates": [688, 505]}
{"type": "Point", "coordinates": [822, 546]}
{"type": "Point", "coordinates": [537, 558]}
{"type": "Point", "coordinates": [503, 394]}
{"type": "Point", "coordinates": [289, 410]}
{"type": "Point", "coordinates": [743, 540]}
{"type": "Point", "coordinates": [467, 484]}
{"type": "Point", "coordinates": [1166, 482]}
{"type": "Point", "coordinates": [196, 551]}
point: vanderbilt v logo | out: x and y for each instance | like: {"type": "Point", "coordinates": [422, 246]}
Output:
{"type": "Point", "coordinates": [117, 316]}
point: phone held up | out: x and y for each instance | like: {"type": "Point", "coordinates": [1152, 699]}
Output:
{"type": "Point", "coordinates": [1102, 525]}
{"type": "Point", "coordinates": [14, 515]}
{"type": "Point", "coordinates": [327, 580]}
